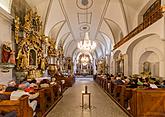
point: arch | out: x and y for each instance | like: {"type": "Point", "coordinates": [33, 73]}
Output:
{"type": "Point", "coordinates": [66, 48]}
{"type": "Point", "coordinates": [152, 59]}
{"type": "Point", "coordinates": [102, 46]}
{"type": "Point", "coordinates": [130, 49]}
{"type": "Point", "coordinates": [116, 54]}
{"type": "Point", "coordinates": [86, 53]}
{"type": "Point", "coordinates": [55, 30]}
{"type": "Point", "coordinates": [108, 42]}
{"type": "Point", "coordinates": [77, 51]}
{"type": "Point", "coordinates": [63, 39]}
{"type": "Point", "coordinates": [115, 29]}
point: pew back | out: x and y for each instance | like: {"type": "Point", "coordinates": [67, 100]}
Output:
{"type": "Point", "coordinates": [21, 107]}
{"type": "Point", "coordinates": [148, 103]}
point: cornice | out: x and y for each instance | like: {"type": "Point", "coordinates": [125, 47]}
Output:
{"type": "Point", "coordinates": [5, 15]}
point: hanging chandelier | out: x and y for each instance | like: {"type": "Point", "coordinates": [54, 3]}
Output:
{"type": "Point", "coordinates": [87, 44]}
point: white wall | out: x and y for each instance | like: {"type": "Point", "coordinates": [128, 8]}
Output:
{"type": "Point", "coordinates": [149, 44]}
{"type": "Point", "coordinates": [5, 35]}
{"type": "Point", "coordinates": [156, 28]}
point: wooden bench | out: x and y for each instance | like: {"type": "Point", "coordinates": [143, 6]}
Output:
{"type": "Point", "coordinates": [148, 103]}
{"type": "Point", "coordinates": [41, 101]}
{"type": "Point", "coordinates": [21, 107]}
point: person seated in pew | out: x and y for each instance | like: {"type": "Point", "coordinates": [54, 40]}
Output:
{"type": "Point", "coordinates": [151, 84]}
{"type": "Point", "coordinates": [12, 86]}
{"type": "Point", "coordinates": [126, 81]}
{"type": "Point", "coordinates": [162, 84]}
{"type": "Point", "coordinates": [146, 82]}
{"type": "Point", "coordinates": [53, 81]}
{"type": "Point", "coordinates": [140, 82]}
{"type": "Point", "coordinates": [118, 81]}
{"type": "Point", "coordinates": [33, 83]}
{"type": "Point", "coordinates": [15, 95]}
{"type": "Point", "coordinates": [132, 83]}
{"type": "Point", "coordinates": [44, 83]}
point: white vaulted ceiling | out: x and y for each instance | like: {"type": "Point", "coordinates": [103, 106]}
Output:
{"type": "Point", "coordinates": [107, 21]}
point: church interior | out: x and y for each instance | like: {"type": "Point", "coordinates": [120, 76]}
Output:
{"type": "Point", "coordinates": [82, 58]}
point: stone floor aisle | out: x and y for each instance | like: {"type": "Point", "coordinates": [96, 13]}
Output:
{"type": "Point", "coordinates": [102, 105]}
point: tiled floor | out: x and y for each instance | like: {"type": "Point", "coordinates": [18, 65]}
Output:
{"type": "Point", "coordinates": [70, 104]}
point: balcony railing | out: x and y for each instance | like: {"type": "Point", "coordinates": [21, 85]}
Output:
{"type": "Point", "coordinates": [156, 15]}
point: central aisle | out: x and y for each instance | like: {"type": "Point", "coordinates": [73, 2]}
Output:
{"type": "Point", "coordinates": [102, 105]}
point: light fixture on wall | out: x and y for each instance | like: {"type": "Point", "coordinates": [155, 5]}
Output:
{"type": "Point", "coordinates": [87, 44]}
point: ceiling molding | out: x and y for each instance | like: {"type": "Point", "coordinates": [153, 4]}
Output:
{"type": "Point", "coordinates": [84, 7]}
{"type": "Point", "coordinates": [113, 34]}
{"type": "Point", "coordinates": [84, 18]}
{"type": "Point", "coordinates": [47, 14]}
{"type": "Point", "coordinates": [66, 17]}
{"type": "Point", "coordinates": [85, 28]}
{"type": "Point", "coordinates": [68, 45]}
{"type": "Point", "coordinates": [102, 16]}
{"type": "Point", "coordinates": [103, 38]}
{"type": "Point", "coordinates": [111, 40]}
{"type": "Point", "coordinates": [102, 46]}
{"type": "Point", "coordinates": [61, 23]}
{"type": "Point", "coordinates": [63, 38]}
{"type": "Point", "coordinates": [124, 14]}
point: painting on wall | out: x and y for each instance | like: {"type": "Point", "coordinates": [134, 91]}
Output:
{"type": "Point", "coordinates": [146, 67]}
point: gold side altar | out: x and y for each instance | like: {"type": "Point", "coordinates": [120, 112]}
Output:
{"type": "Point", "coordinates": [29, 44]}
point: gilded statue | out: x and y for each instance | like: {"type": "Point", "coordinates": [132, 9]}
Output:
{"type": "Point", "coordinates": [32, 38]}
{"type": "Point", "coordinates": [27, 24]}
{"type": "Point", "coordinates": [43, 61]}
{"type": "Point", "coordinates": [17, 24]}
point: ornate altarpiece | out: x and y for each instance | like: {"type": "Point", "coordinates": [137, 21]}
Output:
{"type": "Point", "coordinates": [29, 43]}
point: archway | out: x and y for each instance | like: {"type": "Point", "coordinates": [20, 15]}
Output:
{"type": "Point", "coordinates": [149, 62]}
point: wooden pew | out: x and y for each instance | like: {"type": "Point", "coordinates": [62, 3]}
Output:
{"type": "Point", "coordinates": [111, 88]}
{"type": "Point", "coordinates": [118, 92]}
{"type": "Point", "coordinates": [125, 95]}
{"type": "Point", "coordinates": [56, 91]}
{"type": "Point", "coordinates": [49, 94]}
{"type": "Point", "coordinates": [41, 101]}
{"type": "Point", "coordinates": [21, 107]}
{"type": "Point", "coordinates": [148, 103]}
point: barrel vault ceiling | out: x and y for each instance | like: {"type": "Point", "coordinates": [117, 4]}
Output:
{"type": "Point", "coordinates": [105, 20]}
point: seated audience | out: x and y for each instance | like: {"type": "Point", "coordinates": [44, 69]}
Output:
{"type": "Point", "coordinates": [44, 83]}
{"type": "Point", "coordinates": [118, 81]}
{"type": "Point", "coordinates": [140, 82]}
{"type": "Point", "coordinates": [151, 84]}
{"type": "Point", "coordinates": [15, 95]}
{"type": "Point", "coordinates": [162, 84]}
{"type": "Point", "coordinates": [12, 86]}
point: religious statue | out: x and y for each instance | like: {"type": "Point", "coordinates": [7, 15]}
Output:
{"type": "Point", "coordinates": [12, 57]}
{"type": "Point", "coordinates": [43, 66]}
{"type": "Point", "coordinates": [24, 62]}
{"type": "Point", "coordinates": [29, 48]}
{"type": "Point", "coordinates": [17, 23]}
{"type": "Point", "coordinates": [6, 50]}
